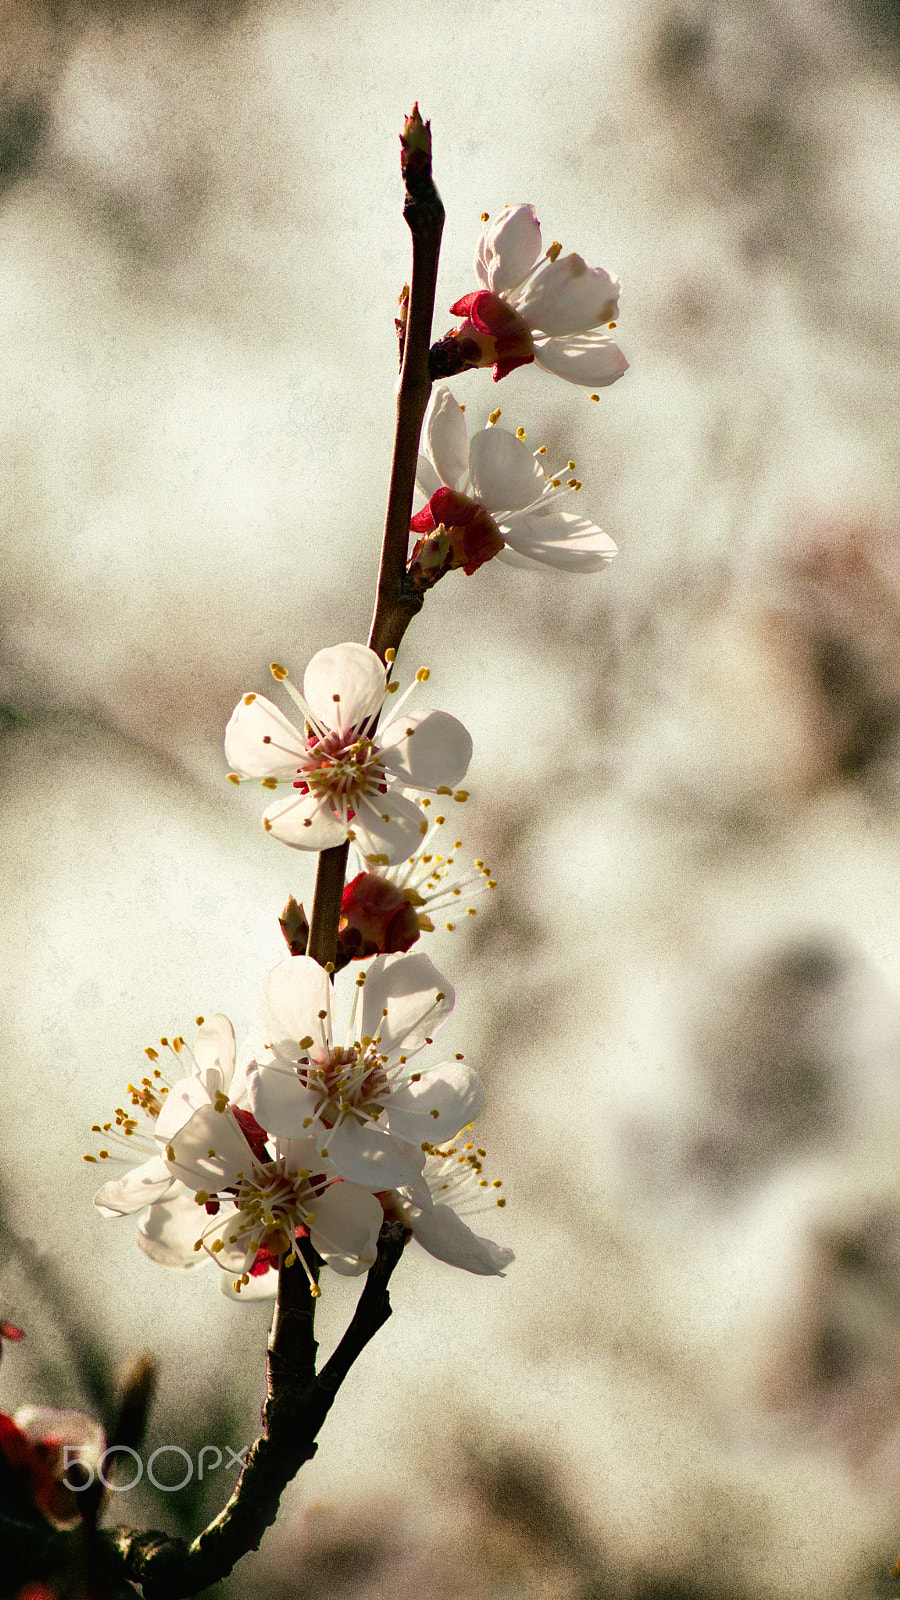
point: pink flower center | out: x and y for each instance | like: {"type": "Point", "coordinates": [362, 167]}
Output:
{"type": "Point", "coordinates": [340, 766]}
{"type": "Point", "coordinates": [348, 1083]}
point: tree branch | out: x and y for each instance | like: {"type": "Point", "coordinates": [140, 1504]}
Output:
{"type": "Point", "coordinates": [396, 604]}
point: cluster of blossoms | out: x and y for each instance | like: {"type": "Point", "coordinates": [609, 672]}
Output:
{"type": "Point", "coordinates": [334, 1128]}
{"type": "Point", "coordinates": [339, 1125]}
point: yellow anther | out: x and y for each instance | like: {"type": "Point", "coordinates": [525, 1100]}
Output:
{"type": "Point", "coordinates": [461, 795]}
{"type": "Point", "coordinates": [521, 434]}
{"type": "Point", "coordinates": [268, 783]}
{"type": "Point", "coordinates": [610, 324]}
{"type": "Point", "coordinates": [90, 1158]}
{"type": "Point", "coordinates": [494, 417]}
{"type": "Point", "coordinates": [390, 655]}
{"type": "Point", "coordinates": [501, 1202]}
{"type": "Point", "coordinates": [393, 687]}
{"type": "Point", "coordinates": [449, 926]}
{"type": "Point", "coordinates": [267, 825]}
{"type": "Point", "coordinates": [595, 397]}
{"type": "Point", "coordinates": [485, 216]}
{"type": "Point", "coordinates": [249, 699]}
{"type": "Point", "coordinates": [153, 1054]}
{"type": "Point", "coordinates": [423, 674]}
{"type": "Point", "coordinates": [279, 673]}
{"type": "Point", "coordinates": [555, 251]}
{"type": "Point", "coordinates": [315, 1291]}
{"type": "Point", "coordinates": [221, 1101]}
{"type": "Point", "coordinates": [233, 777]}
{"type": "Point", "coordinates": [199, 1021]}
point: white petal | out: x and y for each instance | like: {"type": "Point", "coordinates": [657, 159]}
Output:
{"type": "Point", "coordinates": [279, 1101]}
{"type": "Point", "coordinates": [368, 1156]}
{"type": "Point", "coordinates": [264, 1286]}
{"type": "Point", "coordinates": [260, 742]}
{"type": "Point", "coordinates": [145, 1185]}
{"type": "Point", "coordinates": [290, 999]}
{"type": "Point", "coordinates": [210, 1151]}
{"type": "Point", "coordinates": [182, 1100]}
{"type": "Point", "coordinates": [168, 1232]}
{"type": "Point", "coordinates": [238, 1247]}
{"type": "Point", "coordinates": [390, 825]}
{"type": "Point", "coordinates": [214, 1053]}
{"type": "Point", "coordinates": [344, 686]}
{"type": "Point", "coordinates": [426, 749]}
{"type": "Point", "coordinates": [591, 359]}
{"type": "Point", "coordinates": [567, 296]}
{"type": "Point", "coordinates": [508, 249]}
{"type": "Point", "coordinates": [427, 480]}
{"type": "Point", "coordinates": [445, 438]}
{"type": "Point", "coordinates": [304, 822]}
{"type": "Point", "coordinates": [444, 1100]}
{"type": "Point", "coordinates": [345, 1227]}
{"type": "Point", "coordinates": [560, 539]}
{"type": "Point", "coordinates": [505, 475]}
{"type": "Point", "coordinates": [406, 988]}
{"type": "Point", "coordinates": [444, 1235]}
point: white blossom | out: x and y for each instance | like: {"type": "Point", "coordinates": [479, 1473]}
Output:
{"type": "Point", "coordinates": [370, 1113]}
{"type": "Point", "coordinates": [497, 471]}
{"type": "Point", "coordinates": [349, 780]}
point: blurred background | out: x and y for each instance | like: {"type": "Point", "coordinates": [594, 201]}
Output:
{"type": "Point", "coordinates": [685, 995]}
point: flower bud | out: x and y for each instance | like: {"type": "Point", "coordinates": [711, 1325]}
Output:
{"type": "Point", "coordinates": [492, 335]}
{"type": "Point", "coordinates": [377, 918]}
{"type": "Point", "coordinates": [458, 532]}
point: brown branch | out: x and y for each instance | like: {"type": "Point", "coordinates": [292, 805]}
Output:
{"type": "Point", "coordinates": [298, 1403]}
{"type": "Point", "coordinates": [396, 604]}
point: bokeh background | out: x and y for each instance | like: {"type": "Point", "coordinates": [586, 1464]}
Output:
{"type": "Point", "coordinates": [685, 994]}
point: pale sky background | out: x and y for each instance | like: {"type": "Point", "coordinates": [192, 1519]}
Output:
{"type": "Point", "coordinates": [684, 1000]}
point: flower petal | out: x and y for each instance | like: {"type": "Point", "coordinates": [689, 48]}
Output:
{"type": "Point", "coordinates": [214, 1053]}
{"type": "Point", "coordinates": [260, 742]}
{"type": "Point", "coordinates": [345, 1226]}
{"type": "Point", "coordinates": [290, 999]}
{"type": "Point", "coordinates": [168, 1232]}
{"type": "Point", "coordinates": [591, 359]}
{"type": "Point", "coordinates": [444, 1235]}
{"type": "Point", "coordinates": [505, 475]}
{"type": "Point", "coordinates": [145, 1185]}
{"type": "Point", "coordinates": [305, 822]}
{"type": "Point", "coordinates": [560, 539]}
{"type": "Point", "coordinates": [443, 1100]}
{"type": "Point", "coordinates": [445, 437]}
{"type": "Point", "coordinates": [568, 296]}
{"type": "Point", "coordinates": [210, 1151]}
{"type": "Point", "coordinates": [279, 1100]}
{"type": "Point", "coordinates": [508, 248]}
{"type": "Point", "coordinates": [263, 1286]}
{"type": "Point", "coordinates": [426, 749]}
{"type": "Point", "coordinates": [367, 1155]}
{"type": "Point", "coordinates": [344, 686]}
{"type": "Point", "coordinates": [390, 827]}
{"type": "Point", "coordinates": [401, 1005]}
{"type": "Point", "coordinates": [182, 1100]}
{"type": "Point", "coordinates": [427, 480]}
